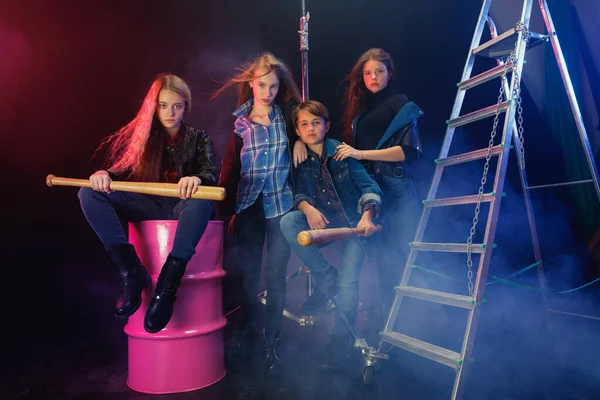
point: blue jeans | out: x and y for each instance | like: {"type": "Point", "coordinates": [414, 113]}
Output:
{"type": "Point", "coordinates": [398, 218]}
{"type": "Point", "coordinates": [353, 255]}
{"type": "Point", "coordinates": [251, 229]}
{"type": "Point", "coordinates": [106, 213]}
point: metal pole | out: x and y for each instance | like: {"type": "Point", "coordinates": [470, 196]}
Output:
{"type": "Point", "coordinates": [304, 59]}
{"type": "Point", "coordinates": [304, 49]}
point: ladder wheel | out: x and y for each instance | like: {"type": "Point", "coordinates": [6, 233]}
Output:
{"type": "Point", "coordinates": [368, 374]}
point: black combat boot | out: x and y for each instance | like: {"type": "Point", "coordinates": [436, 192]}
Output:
{"type": "Point", "coordinates": [161, 306]}
{"type": "Point", "coordinates": [133, 275]}
{"type": "Point", "coordinates": [273, 365]}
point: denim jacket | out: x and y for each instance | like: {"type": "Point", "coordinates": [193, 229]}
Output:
{"type": "Point", "coordinates": [402, 131]}
{"type": "Point", "coordinates": [352, 183]}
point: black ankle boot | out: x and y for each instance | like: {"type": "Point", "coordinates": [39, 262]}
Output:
{"type": "Point", "coordinates": [273, 365]}
{"type": "Point", "coordinates": [161, 306]}
{"type": "Point", "coordinates": [133, 275]}
{"type": "Point", "coordinates": [324, 288]}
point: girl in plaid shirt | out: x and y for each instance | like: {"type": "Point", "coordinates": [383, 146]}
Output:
{"type": "Point", "coordinates": [257, 174]}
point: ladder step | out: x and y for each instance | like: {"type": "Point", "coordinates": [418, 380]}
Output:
{"type": "Point", "coordinates": [436, 353]}
{"type": "Point", "coordinates": [448, 247]}
{"type": "Point", "coordinates": [502, 45]}
{"type": "Point", "coordinates": [484, 76]}
{"type": "Point", "coordinates": [453, 201]}
{"type": "Point", "coordinates": [477, 115]}
{"type": "Point", "coordinates": [470, 156]}
{"type": "Point", "coordinates": [450, 299]}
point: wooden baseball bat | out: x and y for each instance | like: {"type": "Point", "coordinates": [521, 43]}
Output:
{"type": "Point", "coordinates": [152, 188]}
{"type": "Point", "coordinates": [318, 236]}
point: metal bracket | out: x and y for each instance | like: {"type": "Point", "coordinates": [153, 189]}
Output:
{"type": "Point", "coordinates": [304, 32]}
{"type": "Point", "coordinates": [370, 355]}
{"type": "Point", "coordinates": [302, 320]}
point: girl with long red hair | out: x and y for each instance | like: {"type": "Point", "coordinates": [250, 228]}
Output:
{"type": "Point", "coordinates": [156, 146]}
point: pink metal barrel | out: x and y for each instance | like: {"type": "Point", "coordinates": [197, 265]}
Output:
{"type": "Point", "coordinates": [188, 353]}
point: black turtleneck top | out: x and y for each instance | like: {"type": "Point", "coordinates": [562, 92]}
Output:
{"type": "Point", "coordinates": [380, 109]}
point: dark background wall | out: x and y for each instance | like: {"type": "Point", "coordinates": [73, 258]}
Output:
{"type": "Point", "coordinates": [73, 72]}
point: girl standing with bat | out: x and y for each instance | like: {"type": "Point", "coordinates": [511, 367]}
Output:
{"type": "Point", "coordinates": [257, 174]}
{"type": "Point", "coordinates": [381, 127]}
{"type": "Point", "coordinates": [156, 146]}
{"type": "Point", "coordinates": [330, 193]}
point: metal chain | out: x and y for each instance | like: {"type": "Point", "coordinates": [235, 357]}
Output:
{"type": "Point", "coordinates": [516, 93]}
{"type": "Point", "coordinates": [517, 96]}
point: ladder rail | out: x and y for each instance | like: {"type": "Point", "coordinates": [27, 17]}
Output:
{"type": "Point", "coordinates": [490, 231]}
{"type": "Point", "coordinates": [458, 101]}
{"type": "Point", "coordinates": [564, 73]}
{"type": "Point", "coordinates": [537, 253]}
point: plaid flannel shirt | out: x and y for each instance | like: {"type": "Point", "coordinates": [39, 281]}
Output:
{"type": "Point", "coordinates": [265, 162]}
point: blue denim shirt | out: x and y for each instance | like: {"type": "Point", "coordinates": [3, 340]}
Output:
{"type": "Point", "coordinates": [353, 185]}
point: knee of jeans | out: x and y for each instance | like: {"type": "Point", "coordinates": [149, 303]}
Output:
{"type": "Point", "coordinates": [86, 194]}
{"type": "Point", "coordinates": [198, 203]}
{"type": "Point", "coordinates": [276, 283]}
{"type": "Point", "coordinates": [198, 206]}
{"type": "Point", "coordinates": [289, 224]}
{"type": "Point", "coordinates": [348, 281]}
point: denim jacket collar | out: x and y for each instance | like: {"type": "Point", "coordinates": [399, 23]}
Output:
{"type": "Point", "coordinates": [409, 112]}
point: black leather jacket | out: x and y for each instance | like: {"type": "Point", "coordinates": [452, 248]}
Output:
{"type": "Point", "coordinates": [194, 157]}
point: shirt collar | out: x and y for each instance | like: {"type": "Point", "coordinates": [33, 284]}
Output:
{"type": "Point", "coordinates": [244, 110]}
{"type": "Point", "coordinates": [325, 153]}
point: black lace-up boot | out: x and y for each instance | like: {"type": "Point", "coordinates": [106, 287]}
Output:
{"type": "Point", "coordinates": [133, 275]}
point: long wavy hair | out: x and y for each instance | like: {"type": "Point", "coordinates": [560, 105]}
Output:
{"type": "Point", "coordinates": [354, 98]}
{"type": "Point", "coordinates": [136, 149]}
{"type": "Point", "coordinates": [257, 68]}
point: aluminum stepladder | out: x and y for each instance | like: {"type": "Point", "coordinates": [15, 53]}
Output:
{"type": "Point", "coordinates": [513, 44]}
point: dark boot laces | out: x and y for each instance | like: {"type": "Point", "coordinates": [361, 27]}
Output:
{"type": "Point", "coordinates": [270, 346]}
{"type": "Point", "coordinates": [130, 278]}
